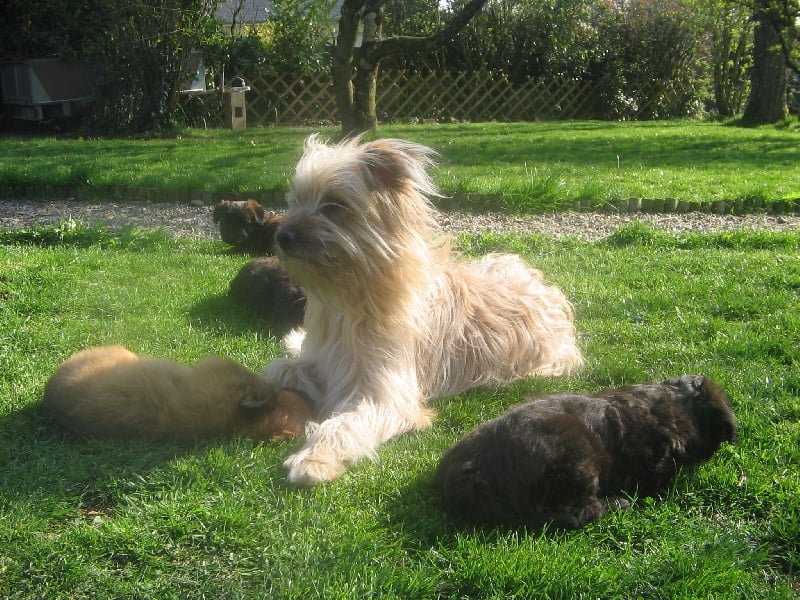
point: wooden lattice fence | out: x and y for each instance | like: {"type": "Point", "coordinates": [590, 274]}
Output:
{"type": "Point", "coordinates": [276, 99]}
{"type": "Point", "coordinates": [479, 96]}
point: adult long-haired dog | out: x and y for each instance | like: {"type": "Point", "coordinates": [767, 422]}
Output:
{"type": "Point", "coordinates": [265, 288]}
{"type": "Point", "coordinates": [566, 459]}
{"type": "Point", "coordinates": [246, 225]}
{"type": "Point", "coordinates": [108, 390]}
{"type": "Point", "coordinates": [392, 318]}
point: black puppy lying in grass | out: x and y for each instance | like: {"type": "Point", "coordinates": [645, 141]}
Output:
{"type": "Point", "coordinates": [567, 459]}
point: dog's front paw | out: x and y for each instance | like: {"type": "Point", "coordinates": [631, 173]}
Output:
{"type": "Point", "coordinates": [310, 467]}
{"type": "Point", "coordinates": [279, 371]}
{"type": "Point", "coordinates": [286, 373]}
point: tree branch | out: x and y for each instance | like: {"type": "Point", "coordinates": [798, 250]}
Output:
{"type": "Point", "coordinates": [785, 26]}
{"type": "Point", "coordinates": [413, 44]}
{"type": "Point", "coordinates": [794, 65]}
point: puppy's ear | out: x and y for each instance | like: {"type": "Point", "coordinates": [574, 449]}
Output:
{"type": "Point", "coordinates": [253, 405]}
{"type": "Point", "coordinates": [729, 431]}
{"type": "Point", "coordinates": [270, 218]}
{"type": "Point", "coordinates": [256, 212]}
{"type": "Point", "coordinates": [687, 385]}
{"type": "Point", "coordinates": [713, 411]}
{"type": "Point", "coordinates": [616, 425]}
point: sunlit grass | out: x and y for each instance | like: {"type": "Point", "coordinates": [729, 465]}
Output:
{"type": "Point", "coordinates": [521, 167]}
{"type": "Point", "coordinates": [101, 518]}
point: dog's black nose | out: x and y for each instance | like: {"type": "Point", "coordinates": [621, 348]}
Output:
{"type": "Point", "coordinates": [285, 237]}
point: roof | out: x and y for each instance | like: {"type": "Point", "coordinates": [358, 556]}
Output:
{"type": "Point", "coordinates": [257, 11]}
{"type": "Point", "coordinates": [249, 11]}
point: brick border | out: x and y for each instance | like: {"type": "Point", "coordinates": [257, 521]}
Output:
{"type": "Point", "coordinates": [458, 201]}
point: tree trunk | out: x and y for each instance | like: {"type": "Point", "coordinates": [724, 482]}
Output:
{"type": "Point", "coordinates": [366, 78]}
{"type": "Point", "coordinates": [365, 111]}
{"type": "Point", "coordinates": [342, 67]}
{"type": "Point", "coordinates": [767, 101]}
{"type": "Point", "coordinates": [355, 70]}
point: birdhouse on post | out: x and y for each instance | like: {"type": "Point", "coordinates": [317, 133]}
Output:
{"type": "Point", "coordinates": [233, 99]}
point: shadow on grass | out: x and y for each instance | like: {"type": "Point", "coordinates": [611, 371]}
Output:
{"type": "Point", "coordinates": [418, 516]}
{"type": "Point", "coordinates": [50, 465]}
{"type": "Point", "coordinates": [222, 314]}
{"type": "Point", "coordinates": [79, 235]}
{"type": "Point", "coordinates": [416, 513]}
{"type": "Point", "coordinates": [59, 475]}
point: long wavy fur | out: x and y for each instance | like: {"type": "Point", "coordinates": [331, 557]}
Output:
{"type": "Point", "coordinates": [393, 316]}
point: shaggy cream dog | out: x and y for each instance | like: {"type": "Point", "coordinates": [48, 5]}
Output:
{"type": "Point", "coordinates": [393, 319]}
{"type": "Point", "coordinates": [108, 390]}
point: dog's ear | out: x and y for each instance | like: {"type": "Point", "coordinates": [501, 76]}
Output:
{"type": "Point", "coordinates": [256, 212]}
{"type": "Point", "coordinates": [687, 386]}
{"type": "Point", "coordinates": [256, 404]}
{"type": "Point", "coordinates": [615, 424]}
{"type": "Point", "coordinates": [384, 163]}
{"type": "Point", "coordinates": [729, 431]}
{"type": "Point", "coordinates": [393, 161]}
{"type": "Point", "coordinates": [713, 411]}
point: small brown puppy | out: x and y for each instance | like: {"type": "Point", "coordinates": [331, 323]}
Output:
{"type": "Point", "coordinates": [264, 287]}
{"type": "Point", "coordinates": [246, 225]}
{"type": "Point", "coordinates": [566, 459]}
{"type": "Point", "coordinates": [108, 390]}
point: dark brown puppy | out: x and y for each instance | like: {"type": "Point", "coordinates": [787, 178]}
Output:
{"type": "Point", "coordinates": [566, 459]}
{"type": "Point", "coordinates": [108, 390]}
{"type": "Point", "coordinates": [246, 225]}
{"type": "Point", "coordinates": [264, 287]}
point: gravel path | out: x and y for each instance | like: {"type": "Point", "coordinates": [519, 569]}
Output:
{"type": "Point", "coordinates": [192, 220]}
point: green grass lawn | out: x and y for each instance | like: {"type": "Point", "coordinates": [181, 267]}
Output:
{"type": "Point", "coordinates": [522, 167]}
{"type": "Point", "coordinates": [100, 518]}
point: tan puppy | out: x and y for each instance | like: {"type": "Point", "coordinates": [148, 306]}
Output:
{"type": "Point", "coordinates": [108, 390]}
